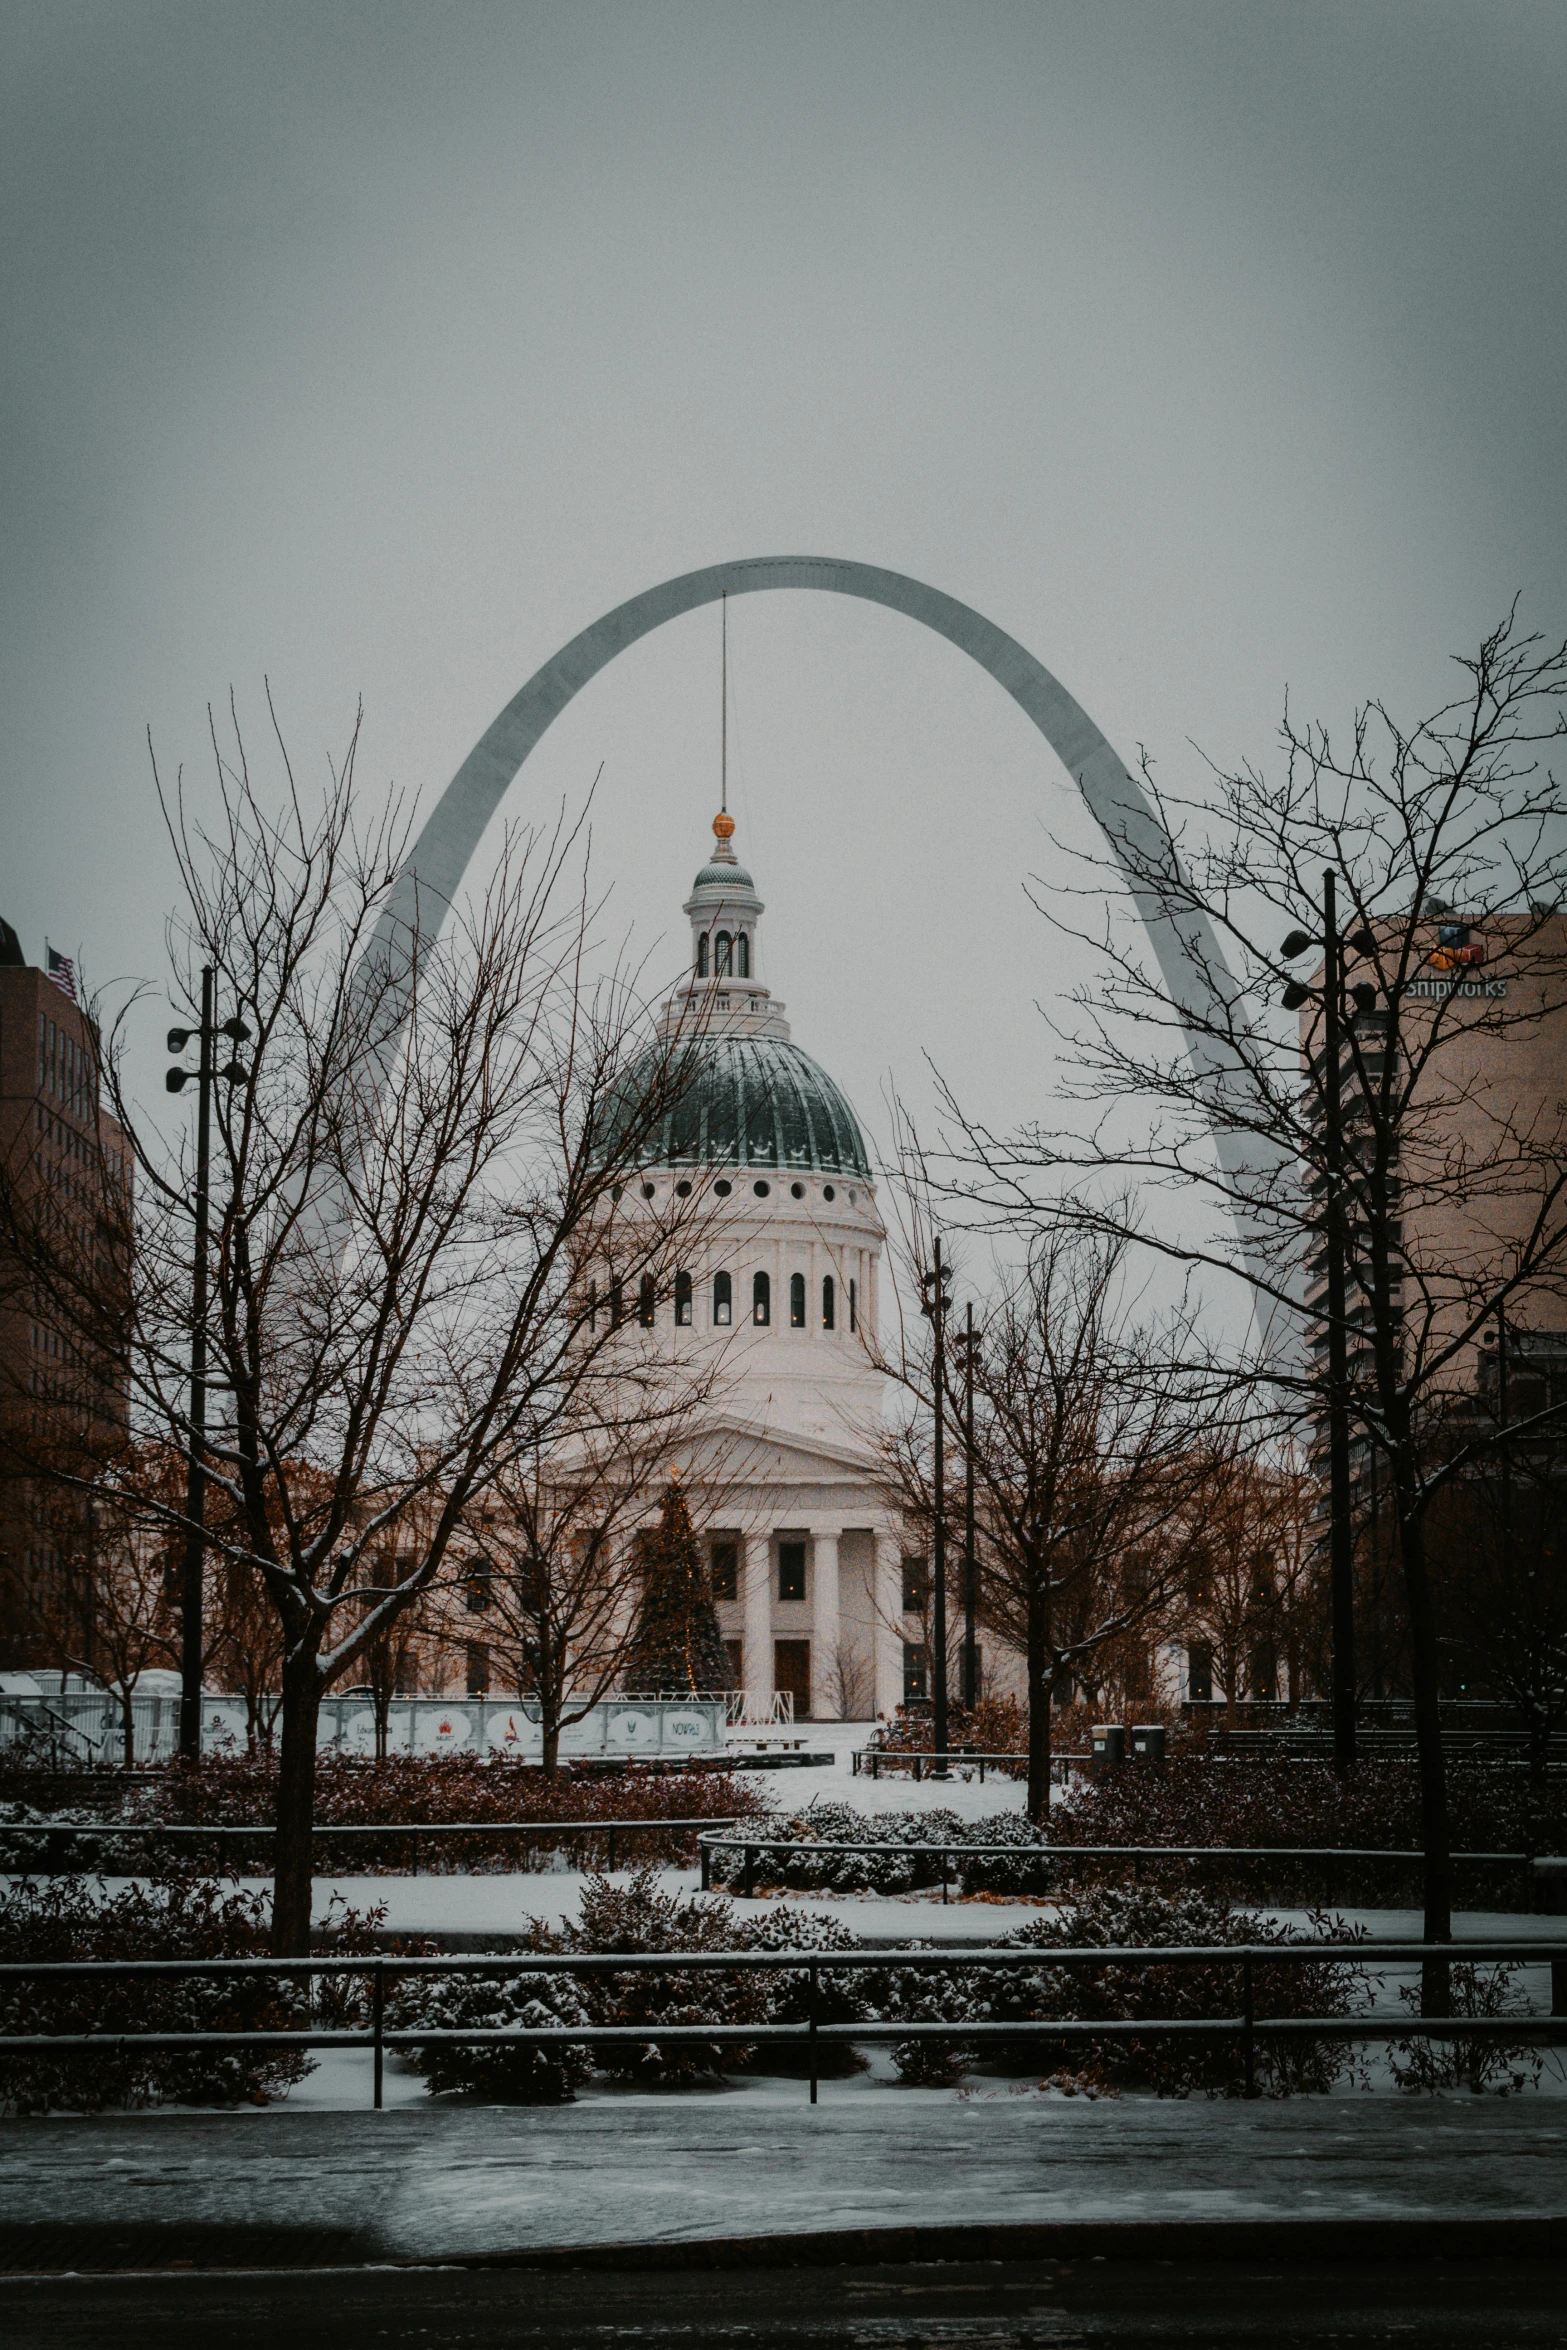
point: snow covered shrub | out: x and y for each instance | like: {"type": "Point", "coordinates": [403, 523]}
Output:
{"type": "Point", "coordinates": [638, 1917]}
{"type": "Point", "coordinates": [1496, 2067]}
{"type": "Point", "coordinates": [1141, 1916]}
{"type": "Point", "coordinates": [72, 1918]}
{"type": "Point", "coordinates": [910, 1995]}
{"type": "Point", "coordinates": [526, 2002]}
{"type": "Point", "coordinates": [825, 1866]}
{"type": "Point", "coordinates": [842, 1994]}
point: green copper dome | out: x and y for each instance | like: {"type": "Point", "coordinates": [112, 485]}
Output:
{"type": "Point", "coordinates": [755, 1101]}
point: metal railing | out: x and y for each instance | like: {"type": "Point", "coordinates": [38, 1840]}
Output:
{"type": "Point", "coordinates": [868, 1761]}
{"type": "Point", "coordinates": [1069, 1857]}
{"type": "Point", "coordinates": [1245, 2028]}
{"type": "Point", "coordinates": [225, 1835]}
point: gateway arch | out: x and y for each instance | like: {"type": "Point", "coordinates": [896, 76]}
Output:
{"type": "Point", "coordinates": [1189, 956]}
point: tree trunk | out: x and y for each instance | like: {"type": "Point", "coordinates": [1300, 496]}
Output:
{"type": "Point", "coordinates": [296, 1803]}
{"type": "Point", "coordinates": [128, 1729]}
{"type": "Point", "coordinates": [549, 1724]}
{"type": "Point", "coordinates": [1038, 1722]}
{"type": "Point", "coordinates": [1435, 1828]}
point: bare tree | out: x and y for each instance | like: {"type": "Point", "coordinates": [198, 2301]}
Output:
{"type": "Point", "coordinates": [408, 1170]}
{"type": "Point", "coordinates": [554, 1574]}
{"type": "Point", "coordinates": [1446, 1188]}
{"type": "Point", "coordinates": [1086, 1459]}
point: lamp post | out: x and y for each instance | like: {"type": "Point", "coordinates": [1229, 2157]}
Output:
{"type": "Point", "coordinates": [1341, 1556]}
{"type": "Point", "coordinates": [967, 1343]}
{"type": "Point", "coordinates": [936, 1303]}
{"type": "Point", "coordinates": [196, 1472]}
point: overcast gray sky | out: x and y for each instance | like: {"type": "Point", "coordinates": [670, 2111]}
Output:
{"type": "Point", "coordinates": [1210, 349]}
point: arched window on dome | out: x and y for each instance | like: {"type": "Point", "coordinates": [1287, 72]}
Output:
{"type": "Point", "coordinates": [854, 1305]}
{"type": "Point", "coordinates": [761, 1299]}
{"type": "Point", "coordinates": [701, 956]}
{"type": "Point", "coordinates": [723, 1301]}
{"type": "Point", "coordinates": [723, 954]}
{"type": "Point", "coordinates": [682, 1301]}
{"type": "Point", "coordinates": [617, 1305]}
{"type": "Point", "coordinates": [743, 955]}
{"type": "Point", "coordinates": [797, 1301]}
{"type": "Point", "coordinates": [647, 1301]}
{"type": "Point", "coordinates": [829, 1302]}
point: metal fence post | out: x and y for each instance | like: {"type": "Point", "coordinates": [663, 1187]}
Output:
{"type": "Point", "coordinates": [1559, 1986]}
{"type": "Point", "coordinates": [944, 1859]}
{"type": "Point", "coordinates": [612, 1852]}
{"type": "Point", "coordinates": [707, 1864]}
{"type": "Point", "coordinates": [1249, 2040]}
{"type": "Point", "coordinates": [748, 1879]}
{"type": "Point", "coordinates": [813, 2032]}
{"type": "Point", "coordinates": [378, 2023]}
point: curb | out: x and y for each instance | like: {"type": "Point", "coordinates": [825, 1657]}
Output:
{"type": "Point", "coordinates": [1343, 2243]}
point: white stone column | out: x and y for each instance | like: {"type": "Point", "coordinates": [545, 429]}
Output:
{"type": "Point", "coordinates": [825, 1626]}
{"type": "Point", "coordinates": [887, 1587]}
{"type": "Point", "coordinates": [757, 1656]}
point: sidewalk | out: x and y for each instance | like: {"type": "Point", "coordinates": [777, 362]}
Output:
{"type": "Point", "coordinates": [462, 2182]}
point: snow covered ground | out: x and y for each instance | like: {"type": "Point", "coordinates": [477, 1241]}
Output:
{"type": "Point", "coordinates": [836, 1782]}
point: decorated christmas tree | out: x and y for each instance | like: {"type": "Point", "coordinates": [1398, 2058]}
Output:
{"type": "Point", "coordinates": [676, 1644]}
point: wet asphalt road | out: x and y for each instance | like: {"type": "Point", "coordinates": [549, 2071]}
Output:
{"type": "Point", "coordinates": [997, 2305]}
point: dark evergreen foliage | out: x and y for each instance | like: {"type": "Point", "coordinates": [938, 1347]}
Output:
{"type": "Point", "coordinates": [676, 1645]}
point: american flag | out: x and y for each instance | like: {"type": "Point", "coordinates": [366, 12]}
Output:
{"type": "Point", "coordinates": [62, 970]}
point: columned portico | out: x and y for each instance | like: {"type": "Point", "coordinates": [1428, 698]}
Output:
{"type": "Point", "coordinates": [757, 1652]}
{"type": "Point", "coordinates": [826, 1625]}
{"type": "Point", "coordinates": [888, 1639]}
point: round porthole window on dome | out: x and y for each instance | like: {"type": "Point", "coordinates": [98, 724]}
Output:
{"type": "Point", "coordinates": [682, 1190]}
{"type": "Point", "coordinates": [647, 1190]}
{"type": "Point", "coordinates": [723, 1187]}
{"type": "Point", "coordinates": [761, 1189]}
{"type": "Point", "coordinates": [797, 1191]}
{"type": "Point", "coordinates": [828, 1191]}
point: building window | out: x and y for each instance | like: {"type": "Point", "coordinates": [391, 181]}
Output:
{"type": "Point", "coordinates": [723, 1301]}
{"type": "Point", "coordinates": [916, 1584]}
{"type": "Point", "coordinates": [854, 1305]}
{"type": "Point", "coordinates": [829, 1302]}
{"type": "Point", "coordinates": [478, 1668]}
{"type": "Point", "coordinates": [791, 1570]}
{"type": "Point", "coordinates": [761, 1299]}
{"type": "Point", "coordinates": [797, 1301]}
{"type": "Point", "coordinates": [916, 1680]}
{"type": "Point", "coordinates": [701, 956]}
{"type": "Point", "coordinates": [733, 1651]}
{"type": "Point", "coordinates": [481, 1586]}
{"type": "Point", "coordinates": [726, 1570]}
{"type": "Point", "coordinates": [647, 1301]}
{"type": "Point", "coordinates": [723, 954]}
{"type": "Point", "coordinates": [743, 956]}
{"type": "Point", "coordinates": [683, 1301]}
{"type": "Point", "coordinates": [617, 1305]}
{"type": "Point", "coordinates": [1199, 1673]}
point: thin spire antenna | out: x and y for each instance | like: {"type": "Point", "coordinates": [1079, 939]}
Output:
{"type": "Point", "coordinates": [723, 724]}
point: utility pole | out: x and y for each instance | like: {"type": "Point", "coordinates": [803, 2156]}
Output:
{"type": "Point", "coordinates": [196, 1470]}
{"type": "Point", "coordinates": [970, 1562]}
{"type": "Point", "coordinates": [936, 1303]}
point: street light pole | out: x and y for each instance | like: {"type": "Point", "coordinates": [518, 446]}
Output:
{"type": "Point", "coordinates": [970, 1563]}
{"type": "Point", "coordinates": [191, 1594]}
{"type": "Point", "coordinates": [936, 1303]}
{"type": "Point", "coordinates": [1341, 1543]}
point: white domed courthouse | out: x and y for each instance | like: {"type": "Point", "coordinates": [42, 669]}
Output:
{"type": "Point", "coordinates": [781, 1472]}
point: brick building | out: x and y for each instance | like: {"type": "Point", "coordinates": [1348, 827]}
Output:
{"type": "Point", "coordinates": [65, 1168]}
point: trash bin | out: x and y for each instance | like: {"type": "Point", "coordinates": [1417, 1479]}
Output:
{"type": "Point", "coordinates": [1148, 1741]}
{"type": "Point", "coordinates": [1107, 1745]}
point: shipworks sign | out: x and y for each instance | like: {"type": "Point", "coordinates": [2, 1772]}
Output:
{"type": "Point", "coordinates": [1459, 956]}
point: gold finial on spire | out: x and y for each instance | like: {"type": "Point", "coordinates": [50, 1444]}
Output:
{"type": "Point", "coordinates": [724, 825]}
